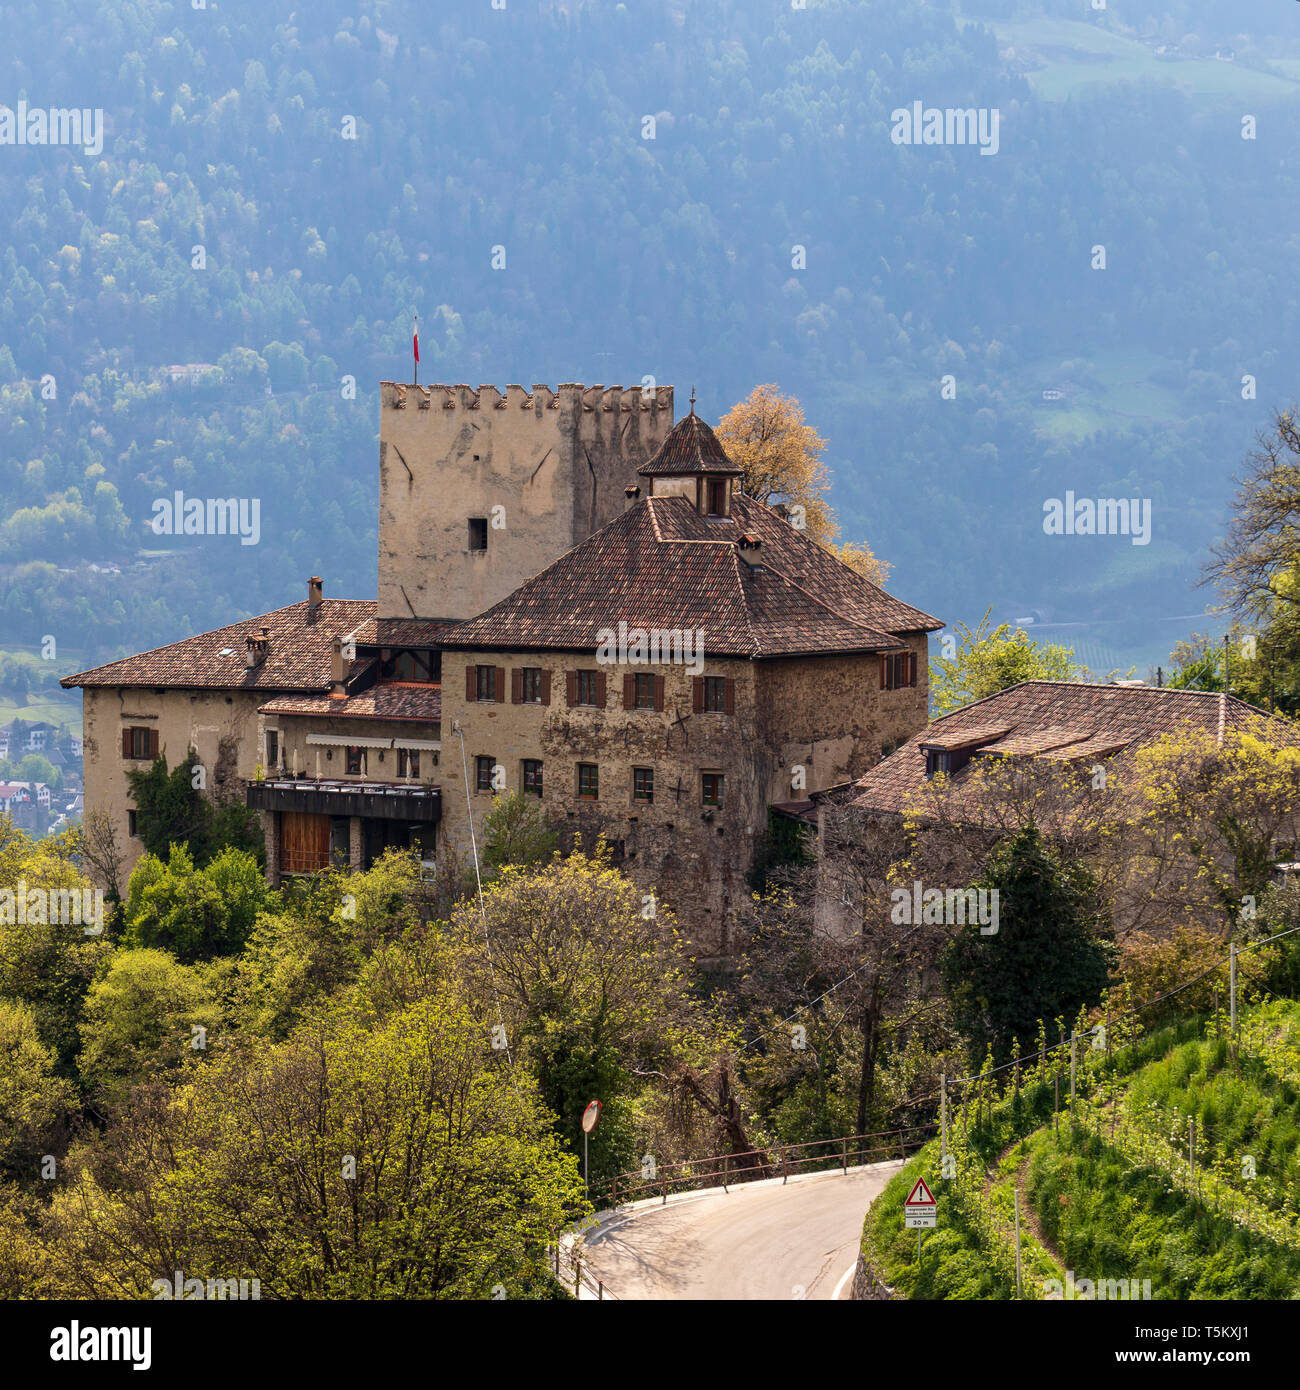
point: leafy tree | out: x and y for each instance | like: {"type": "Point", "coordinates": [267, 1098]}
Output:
{"type": "Point", "coordinates": [33, 1099]}
{"type": "Point", "coordinates": [517, 831]}
{"type": "Point", "coordinates": [587, 973]}
{"type": "Point", "coordinates": [988, 661]}
{"type": "Point", "coordinates": [312, 941]}
{"type": "Point", "coordinates": [765, 435]}
{"type": "Point", "coordinates": [37, 768]}
{"type": "Point", "coordinates": [47, 966]}
{"type": "Point", "coordinates": [399, 1161]}
{"type": "Point", "coordinates": [1048, 956]}
{"type": "Point", "coordinates": [1215, 813]}
{"type": "Point", "coordinates": [140, 1018]}
{"type": "Point", "coordinates": [196, 913]}
{"type": "Point", "coordinates": [859, 557]}
{"type": "Point", "coordinates": [1254, 564]}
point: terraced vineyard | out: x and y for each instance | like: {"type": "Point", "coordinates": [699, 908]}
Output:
{"type": "Point", "coordinates": [1173, 1174]}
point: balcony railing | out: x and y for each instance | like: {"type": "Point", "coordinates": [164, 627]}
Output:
{"type": "Point", "coordinates": [375, 800]}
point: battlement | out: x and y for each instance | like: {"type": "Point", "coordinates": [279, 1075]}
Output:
{"type": "Point", "coordinates": [397, 395]}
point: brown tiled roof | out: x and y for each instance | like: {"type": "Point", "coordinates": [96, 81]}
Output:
{"type": "Point", "coordinates": [660, 565]}
{"type": "Point", "coordinates": [419, 702]}
{"type": "Point", "coordinates": [298, 659]}
{"type": "Point", "coordinates": [690, 447]}
{"type": "Point", "coordinates": [818, 571]}
{"type": "Point", "coordinates": [1036, 718]}
{"type": "Point", "coordinates": [403, 632]}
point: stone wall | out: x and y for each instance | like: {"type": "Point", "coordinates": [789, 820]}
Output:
{"type": "Point", "coordinates": [545, 469]}
{"type": "Point", "coordinates": [695, 858]}
{"type": "Point", "coordinates": [221, 725]}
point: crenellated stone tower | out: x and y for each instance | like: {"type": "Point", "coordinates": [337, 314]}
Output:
{"type": "Point", "coordinates": [479, 491]}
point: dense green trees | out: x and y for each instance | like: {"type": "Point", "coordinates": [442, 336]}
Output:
{"type": "Point", "coordinates": [772, 131]}
{"type": "Point", "coordinates": [1046, 957]}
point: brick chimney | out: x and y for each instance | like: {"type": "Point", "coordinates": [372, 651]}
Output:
{"type": "Point", "coordinates": [632, 494]}
{"type": "Point", "coordinates": [315, 595]}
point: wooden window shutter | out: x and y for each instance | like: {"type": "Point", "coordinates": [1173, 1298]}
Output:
{"type": "Point", "coordinates": [471, 683]}
{"type": "Point", "coordinates": [659, 692]}
{"type": "Point", "coordinates": [729, 695]}
{"type": "Point", "coordinates": [516, 685]}
{"type": "Point", "coordinates": [629, 692]}
{"type": "Point", "coordinates": [697, 694]}
{"type": "Point", "coordinates": [546, 685]}
{"type": "Point", "coordinates": [911, 668]}
{"type": "Point", "coordinates": [126, 743]}
{"type": "Point", "coordinates": [499, 693]}
{"type": "Point", "coordinates": [571, 687]}
{"type": "Point", "coordinates": [153, 743]}
{"type": "Point", "coordinates": [601, 689]}
{"type": "Point", "coordinates": [884, 673]}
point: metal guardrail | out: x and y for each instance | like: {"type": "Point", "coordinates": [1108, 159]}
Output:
{"type": "Point", "coordinates": [570, 1272]}
{"type": "Point", "coordinates": [726, 1170]}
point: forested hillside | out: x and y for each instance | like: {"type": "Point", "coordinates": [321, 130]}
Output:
{"type": "Point", "coordinates": [230, 220]}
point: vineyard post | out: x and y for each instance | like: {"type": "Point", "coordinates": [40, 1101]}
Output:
{"type": "Point", "coordinates": [1232, 993]}
{"type": "Point", "coordinates": [1019, 1287]}
{"type": "Point", "coordinates": [1073, 1037]}
{"type": "Point", "coordinates": [943, 1115]}
{"type": "Point", "coordinates": [1191, 1154]}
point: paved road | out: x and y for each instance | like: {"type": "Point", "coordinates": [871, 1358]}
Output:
{"type": "Point", "coordinates": [758, 1241]}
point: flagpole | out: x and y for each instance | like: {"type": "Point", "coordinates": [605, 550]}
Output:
{"type": "Point", "coordinates": [416, 346]}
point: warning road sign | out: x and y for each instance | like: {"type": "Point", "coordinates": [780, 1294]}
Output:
{"type": "Point", "coordinates": [920, 1212]}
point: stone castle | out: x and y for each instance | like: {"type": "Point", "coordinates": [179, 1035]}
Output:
{"type": "Point", "coordinates": [576, 601]}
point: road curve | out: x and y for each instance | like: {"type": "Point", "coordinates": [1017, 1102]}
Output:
{"type": "Point", "coordinates": [763, 1240]}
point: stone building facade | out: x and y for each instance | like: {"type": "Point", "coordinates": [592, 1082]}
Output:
{"type": "Point", "coordinates": [661, 660]}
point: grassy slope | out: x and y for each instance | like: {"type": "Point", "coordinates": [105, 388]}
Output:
{"type": "Point", "coordinates": [1111, 1198]}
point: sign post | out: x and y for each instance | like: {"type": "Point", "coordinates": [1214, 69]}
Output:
{"type": "Point", "coordinates": [590, 1116]}
{"type": "Point", "coordinates": [920, 1212]}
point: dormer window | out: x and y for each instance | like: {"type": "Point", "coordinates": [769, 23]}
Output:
{"type": "Point", "coordinates": [937, 760]}
{"type": "Point", "coordinates": [716, 490]}
{"type": "Point", "coordinates": [411, 667]}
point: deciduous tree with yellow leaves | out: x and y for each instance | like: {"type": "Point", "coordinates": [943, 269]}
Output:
{"type": "Point", "coordinates": [767, 437]}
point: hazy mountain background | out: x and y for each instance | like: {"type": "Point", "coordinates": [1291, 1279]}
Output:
{"type": "Point", "coordinates": [628, 257]}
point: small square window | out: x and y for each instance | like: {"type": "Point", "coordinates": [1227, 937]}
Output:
{"type": "Point", "coordinates": [587, 688]}
{"type": "Point", "coordinates": [898, 671]}
{"type": "Point", "coordinates": [715, 694]}
{"type": "Point", "coordinates": [356, 760]}
{"type": "Point", "coordinates": [486, 682]}
{"type": "Point", "coordinates": [530, 685]}
{"type": "Point", "coordinates": [272, 748]}
{"type": "Point", "coordinates": [588, 781]}
{"type": "Point", "coordinates": [532, 777]}
{"type": "Point", "coordinates": [713, 789]}
{"type": "Point", "coordinates": [483, 766]}
{"type": "Point", "coordinates": [130, 825]}
{"type": "Point", "coordinates": [643, 784]}
{"type": "Point", "coordinates": [644, 690]}
{"type": "Point", "coordinates": [478, 533]}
